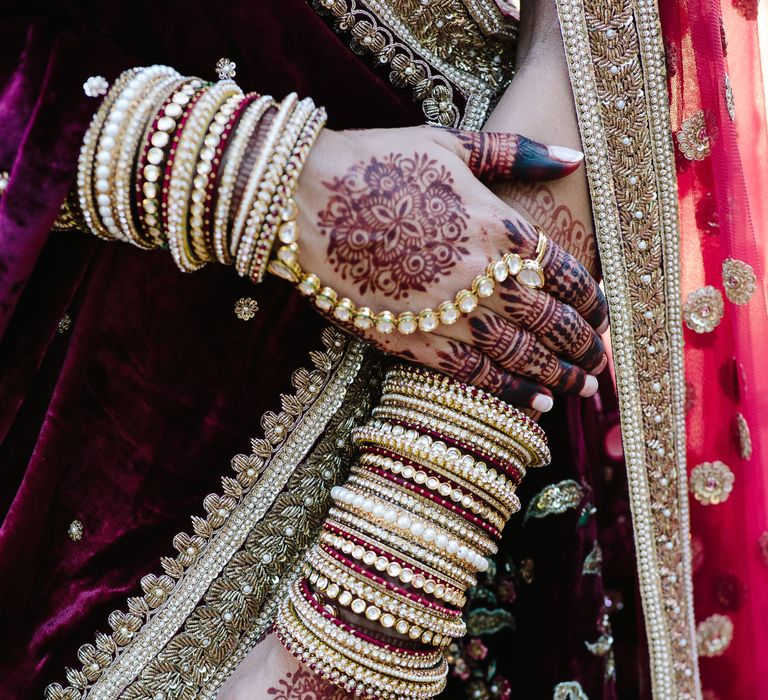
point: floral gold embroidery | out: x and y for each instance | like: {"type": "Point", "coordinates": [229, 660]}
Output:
{"type": "Point", "coordinates": [226, 69]}
{"type": "Point", "coordinates": [703, 309]}
{"type": "Point", "coordinates": [739, 280]}
{"type": "Point", "coordinates": [555, 499]}
{"type": "Point", "coordinates": [711, 482]}
{"type": "Point", "coordinates": [246, 308]}
{"type": "Point", "coordinates": [693, 139]}
{"type": "Point", "coordinates": [64, 324]}
{"type": "Point", "coordinates": [714, 635]}
{"type": "Point", "coordinates": [571, 690]}
{"type": "Point", "coordinates": [75, 531]}
{"type": "Point", "coordinates": [743, 437]}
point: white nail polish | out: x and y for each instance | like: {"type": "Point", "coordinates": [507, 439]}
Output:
{"type": "Point", "coordinates": [566, 155]}
{"type": "Point", "coordinates": [590, 386]}
{"type": "Point", "coordinates": [542, 403]}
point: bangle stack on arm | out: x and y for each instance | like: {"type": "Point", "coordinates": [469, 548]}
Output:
{"type": "Point", "coordinates": [163, 158]}
{"type": "Point", "coordinates": [382, 588]}
{"type": "Point", "coordinates": [209, 173]}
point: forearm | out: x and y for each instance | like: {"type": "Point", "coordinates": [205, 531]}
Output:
{"type": "Point", "coordinates": [539, 104]}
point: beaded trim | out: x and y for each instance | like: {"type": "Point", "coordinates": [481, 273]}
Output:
{"type": "Point", "coordinates": [218, 595]}
{"type": "Point", "coordinates": [615, 56]}
{"type": "Point", "coordinates": [375, 26]}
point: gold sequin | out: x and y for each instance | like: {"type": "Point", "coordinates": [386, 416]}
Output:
{"type": "Point", "coordinates": [593, 562]}
{"type": "Point", "coordinates": [693, 139]}
{"type": "Point", "coordinates": [703, 309]}
{"type": "Point", "coordinates": [743, 436]}
{"type": "Point", "coordinates": [714, 635]}
{"type": "Point", "coordinates": [75, 531]}
{"type": "Point", "coordinates": [555, 499]}
{"type": "Point", "coordinates": [739, 280]}
{"type": "Point", "coordinates": [602, 646]}
{"type": "Point", "coordinates": [730, 103]}
{"type": "Point", "coordinates": [570, 690]}
{"type": "Point", "coordinates": [711, 482]}
{"type": "Point", "coordinates": [65, 324]}
{"type": "Point", "coordinates": [246, 308]}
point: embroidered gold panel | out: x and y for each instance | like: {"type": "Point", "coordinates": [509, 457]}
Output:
{"type": "Point", "coordinates": [194, 623]}
{"type": "Point", "coordinates": [616, 62]}
{"type": "Point", "coordinates": [436, 48]}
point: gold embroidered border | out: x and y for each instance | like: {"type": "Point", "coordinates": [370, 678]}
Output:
{"type": "Point", "coordinates": [375, 26]}
{"type": "Point", "coordinates": [616, 63]}
{"type": "Point", "coordinates": [192, 622]}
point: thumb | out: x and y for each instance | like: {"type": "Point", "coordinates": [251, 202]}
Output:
{"type": "Point", "coordinates": [500, 156]}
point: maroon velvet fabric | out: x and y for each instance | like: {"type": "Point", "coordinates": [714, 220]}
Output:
{"type": "Point", "coordinates": [127, 420]}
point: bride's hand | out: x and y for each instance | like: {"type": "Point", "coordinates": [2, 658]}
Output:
{"type": "Point", "coordinates": [399, 219]}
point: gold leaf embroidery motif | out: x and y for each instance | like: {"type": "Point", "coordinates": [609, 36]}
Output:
{"type": "Point", "coordinates": [703, 309]}
{"type": "Point", "coordinates": [739, 280]}
{"type": "Point", "coordinates": [555, 499]}
{"type": "Point", "coordinates": [743, 437]}
{"type": "Point", "coordinates": [693, 139]}
{"type": "Point", "coordinates": [217, 597]}
{"type": "Point", "coordinates": [714, 635]}
{"type": "Point", "coordinates": [593, 562]}
{"type": "Point", "coordinates": [711, 482]}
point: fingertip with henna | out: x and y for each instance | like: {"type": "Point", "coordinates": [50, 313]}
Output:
{"type": "Point", "coordinates": [539, 162]}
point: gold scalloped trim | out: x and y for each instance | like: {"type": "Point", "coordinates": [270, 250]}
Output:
{"type": "Point", "coordinates": [192, 624]}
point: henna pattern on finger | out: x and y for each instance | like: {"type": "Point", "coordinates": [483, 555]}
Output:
{"type": "Point", "coordinates": [468, 365]}
{"type": "Point", "coordinates": [556, 219]}
{"type": "Point", "coordinates": [519, 352]}
{"type": "Point", "coordinates": [395, 225]}
{"type": "Point", "coordinates": [502, 156]}
{"type": "Point", "coordinates": [302, 684]}
{"type": "Point", "coordinates": [558, 326]}
{"type": "Point", "coordinates": [565, 277]}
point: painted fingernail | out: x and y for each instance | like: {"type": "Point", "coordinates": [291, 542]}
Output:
{"type": "Point", "coordinates": [590, 386]}
{"type": "Point", "coordinates": [603, 327]}
{"type": "Point", "coordinates": [565, 155]}
{"type": "Point", "coordinates": [542, 403]}
{"type": "Point", "coordinates": [602, 365]}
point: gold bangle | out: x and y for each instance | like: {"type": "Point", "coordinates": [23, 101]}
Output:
{"type": "Point", "coordinates": [463, 577]}
{"type": "Point", "coordinates": [234, 154]}
{"type": "Point", "coordinates": [242, 245]}
{"type": "Point", "coordinates": [431, 583]}
{"type": "Point", "coordinates": [190, 255]}
{"type": "Point", "coordinates": [451, 489]}
{"type": "Point", "coordinates": [88, 162]}
{"type": "Point", "coordinates": [131, 137]}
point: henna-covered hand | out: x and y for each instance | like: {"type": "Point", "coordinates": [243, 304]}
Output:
{"type": "Point", "coordinates": [400, 220]}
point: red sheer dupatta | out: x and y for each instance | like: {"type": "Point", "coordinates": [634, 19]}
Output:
{"type": "Point", "coordinates": [718, 115]}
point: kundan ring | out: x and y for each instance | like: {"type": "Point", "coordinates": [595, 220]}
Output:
{"type": "Point", "coordinates": [531, 271]}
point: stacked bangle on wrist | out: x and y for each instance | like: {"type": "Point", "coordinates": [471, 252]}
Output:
{"type": "Point", "coordinates": [408, 533]}
{"type": "Point", "coordinates": [163, 156]}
